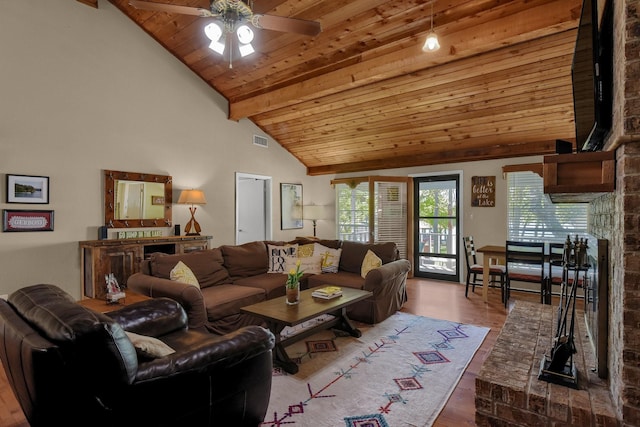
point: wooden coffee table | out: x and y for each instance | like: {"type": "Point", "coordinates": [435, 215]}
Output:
{"type": "Point", "coordinates": [278, 314]}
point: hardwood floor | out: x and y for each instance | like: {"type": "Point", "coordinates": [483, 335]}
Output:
{"type": "Point", "coordinates": [442, 300]}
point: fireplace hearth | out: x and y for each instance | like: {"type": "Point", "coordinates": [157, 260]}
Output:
{"type": "Point", "coordinates": [509, 393]}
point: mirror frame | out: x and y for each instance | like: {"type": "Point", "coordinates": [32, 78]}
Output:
{"type": "Point", "coordinates": [110, 178]}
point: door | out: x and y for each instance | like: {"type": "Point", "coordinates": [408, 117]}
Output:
{"type": "Point", "coordinates": [253, 208]}
{"type": "Point", "coordinates": [436, 225]}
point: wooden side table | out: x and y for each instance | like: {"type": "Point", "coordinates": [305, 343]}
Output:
{"type": "Point", "coordinates": [101, 305]}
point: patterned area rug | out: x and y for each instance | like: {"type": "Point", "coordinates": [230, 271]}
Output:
{"type": "Point", "coordinates": [399, 373]}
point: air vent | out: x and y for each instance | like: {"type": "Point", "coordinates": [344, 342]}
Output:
{"type": "Point", "coordinates": [261, 141]}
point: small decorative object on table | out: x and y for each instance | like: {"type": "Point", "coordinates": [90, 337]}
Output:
{"type": "Point", "coordinates": [293, 285]}
{"type": "Point", "coordinates": [328, 292]}
{"type": "Point", "coordinates": [114, 293]}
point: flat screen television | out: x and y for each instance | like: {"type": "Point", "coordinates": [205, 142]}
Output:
{"type": "Point", "coordinates": [592, 75]}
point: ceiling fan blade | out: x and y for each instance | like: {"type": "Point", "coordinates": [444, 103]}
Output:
{"type": "Point", "coordinates": [160, 7]}
{"type": "Point", "coordinates": [288, 25]}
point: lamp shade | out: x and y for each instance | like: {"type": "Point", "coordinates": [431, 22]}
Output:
{"type": "Point", "coordinates": [192, 197]}
{"type": "Point", "coordinates": [431, 44]}
{"type": "Point", "coordinates": [313, 212]}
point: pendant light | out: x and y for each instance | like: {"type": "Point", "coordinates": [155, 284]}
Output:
{"type": "Point", "coordinates": [431, 44]}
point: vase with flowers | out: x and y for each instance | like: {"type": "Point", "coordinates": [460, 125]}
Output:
{"type": "Point", "coordinates": [293, 284]}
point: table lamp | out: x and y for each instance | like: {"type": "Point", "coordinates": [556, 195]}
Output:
{"type": "Point", "coordinates": [192, 197]}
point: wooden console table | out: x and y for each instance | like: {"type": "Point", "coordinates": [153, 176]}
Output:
{"type": "Point", "coordinates": [122, 257]}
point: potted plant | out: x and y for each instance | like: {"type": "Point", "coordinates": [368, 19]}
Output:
{"type": "Point", "coordinates": [293, 284]}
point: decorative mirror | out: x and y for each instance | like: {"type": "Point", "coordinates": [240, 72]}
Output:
{"type": "Point", "coordinates": [134, 199]}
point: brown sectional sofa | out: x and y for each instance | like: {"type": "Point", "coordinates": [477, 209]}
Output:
{"type": "Point", "coordinates": [234, 276]}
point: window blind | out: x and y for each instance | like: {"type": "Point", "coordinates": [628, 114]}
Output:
{"type": "Point", "coordinates": [391, 214]}
{"type": "Point", "coordinates": [532, 217]}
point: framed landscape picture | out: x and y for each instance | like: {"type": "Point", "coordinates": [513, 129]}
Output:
{"type": "Point", "coordinates": [290, 206]}
{"type": "Point", "coordinates": [27, 189]}
{"type": "Point", "coordinates": [27, 220]}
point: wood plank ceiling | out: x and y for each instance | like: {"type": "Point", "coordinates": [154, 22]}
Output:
{"type": "Point", "coordinates": [362, 95]}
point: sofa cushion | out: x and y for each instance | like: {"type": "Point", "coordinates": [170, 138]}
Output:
{"type": "Point", "coordinates": [329, 243]}
{"type": "Point", "coordinates": [206, 265]}
{"type": "Point", "coordinates": [353, 254]}
{"type": "Point", "coordinates": [149, 347]}
{"type": "Point", "coordinates": [330, 258]}
{"type": "Point", "coordinates": [342, 279]}
{"type": "Point", "coordinates": [226, 300]}
{"type": "Point", "coordinates": [277, 254]}
{"type": "Point", "coordinates": [309, 264]}
{"type": "Point", "coordinates": [183, 274]}
{"type": "Point", "coordinates": [370, 262]}
{"type": "Point", "coordinates": [273, 285]}
{"type": "Point", "coordinates": [305, 250]}
{"type": "Point", "coordinates": [248, 259]}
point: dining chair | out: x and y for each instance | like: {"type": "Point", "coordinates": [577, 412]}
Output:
{"type": "Point", "coordinates": [474, 269]}
{"type": "Point", "coordinates": [524, 263]}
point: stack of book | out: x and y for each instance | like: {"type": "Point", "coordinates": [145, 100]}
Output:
{"type": "Point", "coordinates": [328, 292]}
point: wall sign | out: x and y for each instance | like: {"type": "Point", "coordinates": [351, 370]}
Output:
{"type": "Point", "coordinates": [27, 220]}
{"type": "Point", "coordinates": [483, 191]}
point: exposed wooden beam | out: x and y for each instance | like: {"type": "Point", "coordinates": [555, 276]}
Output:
{"type": "Point", "coordinates": [452, 156]}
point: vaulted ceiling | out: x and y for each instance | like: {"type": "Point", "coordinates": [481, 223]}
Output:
{"type": "Point", "coordinates": [362, 95]}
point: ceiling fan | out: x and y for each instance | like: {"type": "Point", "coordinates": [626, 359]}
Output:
{"type": "Point", "coordinates": [233, 15]}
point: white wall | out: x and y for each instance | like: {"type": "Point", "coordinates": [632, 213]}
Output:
{"type": "Point", "coordinates": [83, 90]}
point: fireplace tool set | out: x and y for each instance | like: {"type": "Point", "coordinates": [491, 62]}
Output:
{"type": "Point", "coordinates": [558, 367]}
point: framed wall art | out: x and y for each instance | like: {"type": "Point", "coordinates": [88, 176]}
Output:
{"type": "Point", "coordinates": [27, 220]}
{"type": "Point", "coordinates": [290, 206]}
{"type": "Point", "coordinates": [27, 189]}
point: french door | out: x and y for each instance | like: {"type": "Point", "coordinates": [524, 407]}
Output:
{"type": "Point", "coordinates": [372, 210]}
{"type": "Point", "coordinates": [436, 225]}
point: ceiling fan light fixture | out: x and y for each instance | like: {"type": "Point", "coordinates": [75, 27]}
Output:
{"type": "Point", "coordinates": [217, 47]}
{"type": "Point", "coordinates": [245, 34]}
{"type": "Point", "coordinates": [246, 49]}
{"type": "Point", "coordinates": [214, 33]}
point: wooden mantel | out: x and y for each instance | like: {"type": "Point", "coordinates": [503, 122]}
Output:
{"type": "Point", "coordinates": [579, 177]}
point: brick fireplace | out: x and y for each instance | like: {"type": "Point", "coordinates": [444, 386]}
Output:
{"type": "Point", "coordinates": [509, 393]}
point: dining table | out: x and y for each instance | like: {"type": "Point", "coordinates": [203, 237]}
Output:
{"type": "Point", "coordinates": [490, 253]}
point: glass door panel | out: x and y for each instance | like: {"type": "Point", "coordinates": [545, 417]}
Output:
{"type": "Point", "coordinates": [436, 227]}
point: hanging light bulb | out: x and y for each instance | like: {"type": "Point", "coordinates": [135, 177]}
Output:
{"type": "Point", "coordinates": [214, 33]}
{"type": "Point", "coordinates": [431, 44]}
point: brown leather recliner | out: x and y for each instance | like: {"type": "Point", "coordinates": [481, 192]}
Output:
{"type": "Point", "coordinates": [71, 366]}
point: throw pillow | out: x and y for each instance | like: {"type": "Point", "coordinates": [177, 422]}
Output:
{"type": "Point", "coordinates": [149, 346]}
{"type": "Point", "coordinates": [330, 258]}
{"type": "Point", "coordinates": [369, 262]}
{"type": "Point", "coordinates": [276, 257]}
{"type": "Point", "coordinates": [183, 274]}
{"type": "Point", "coordinates": [305, 250]}
{"type": "Point", "coordinates": [308, 265]}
